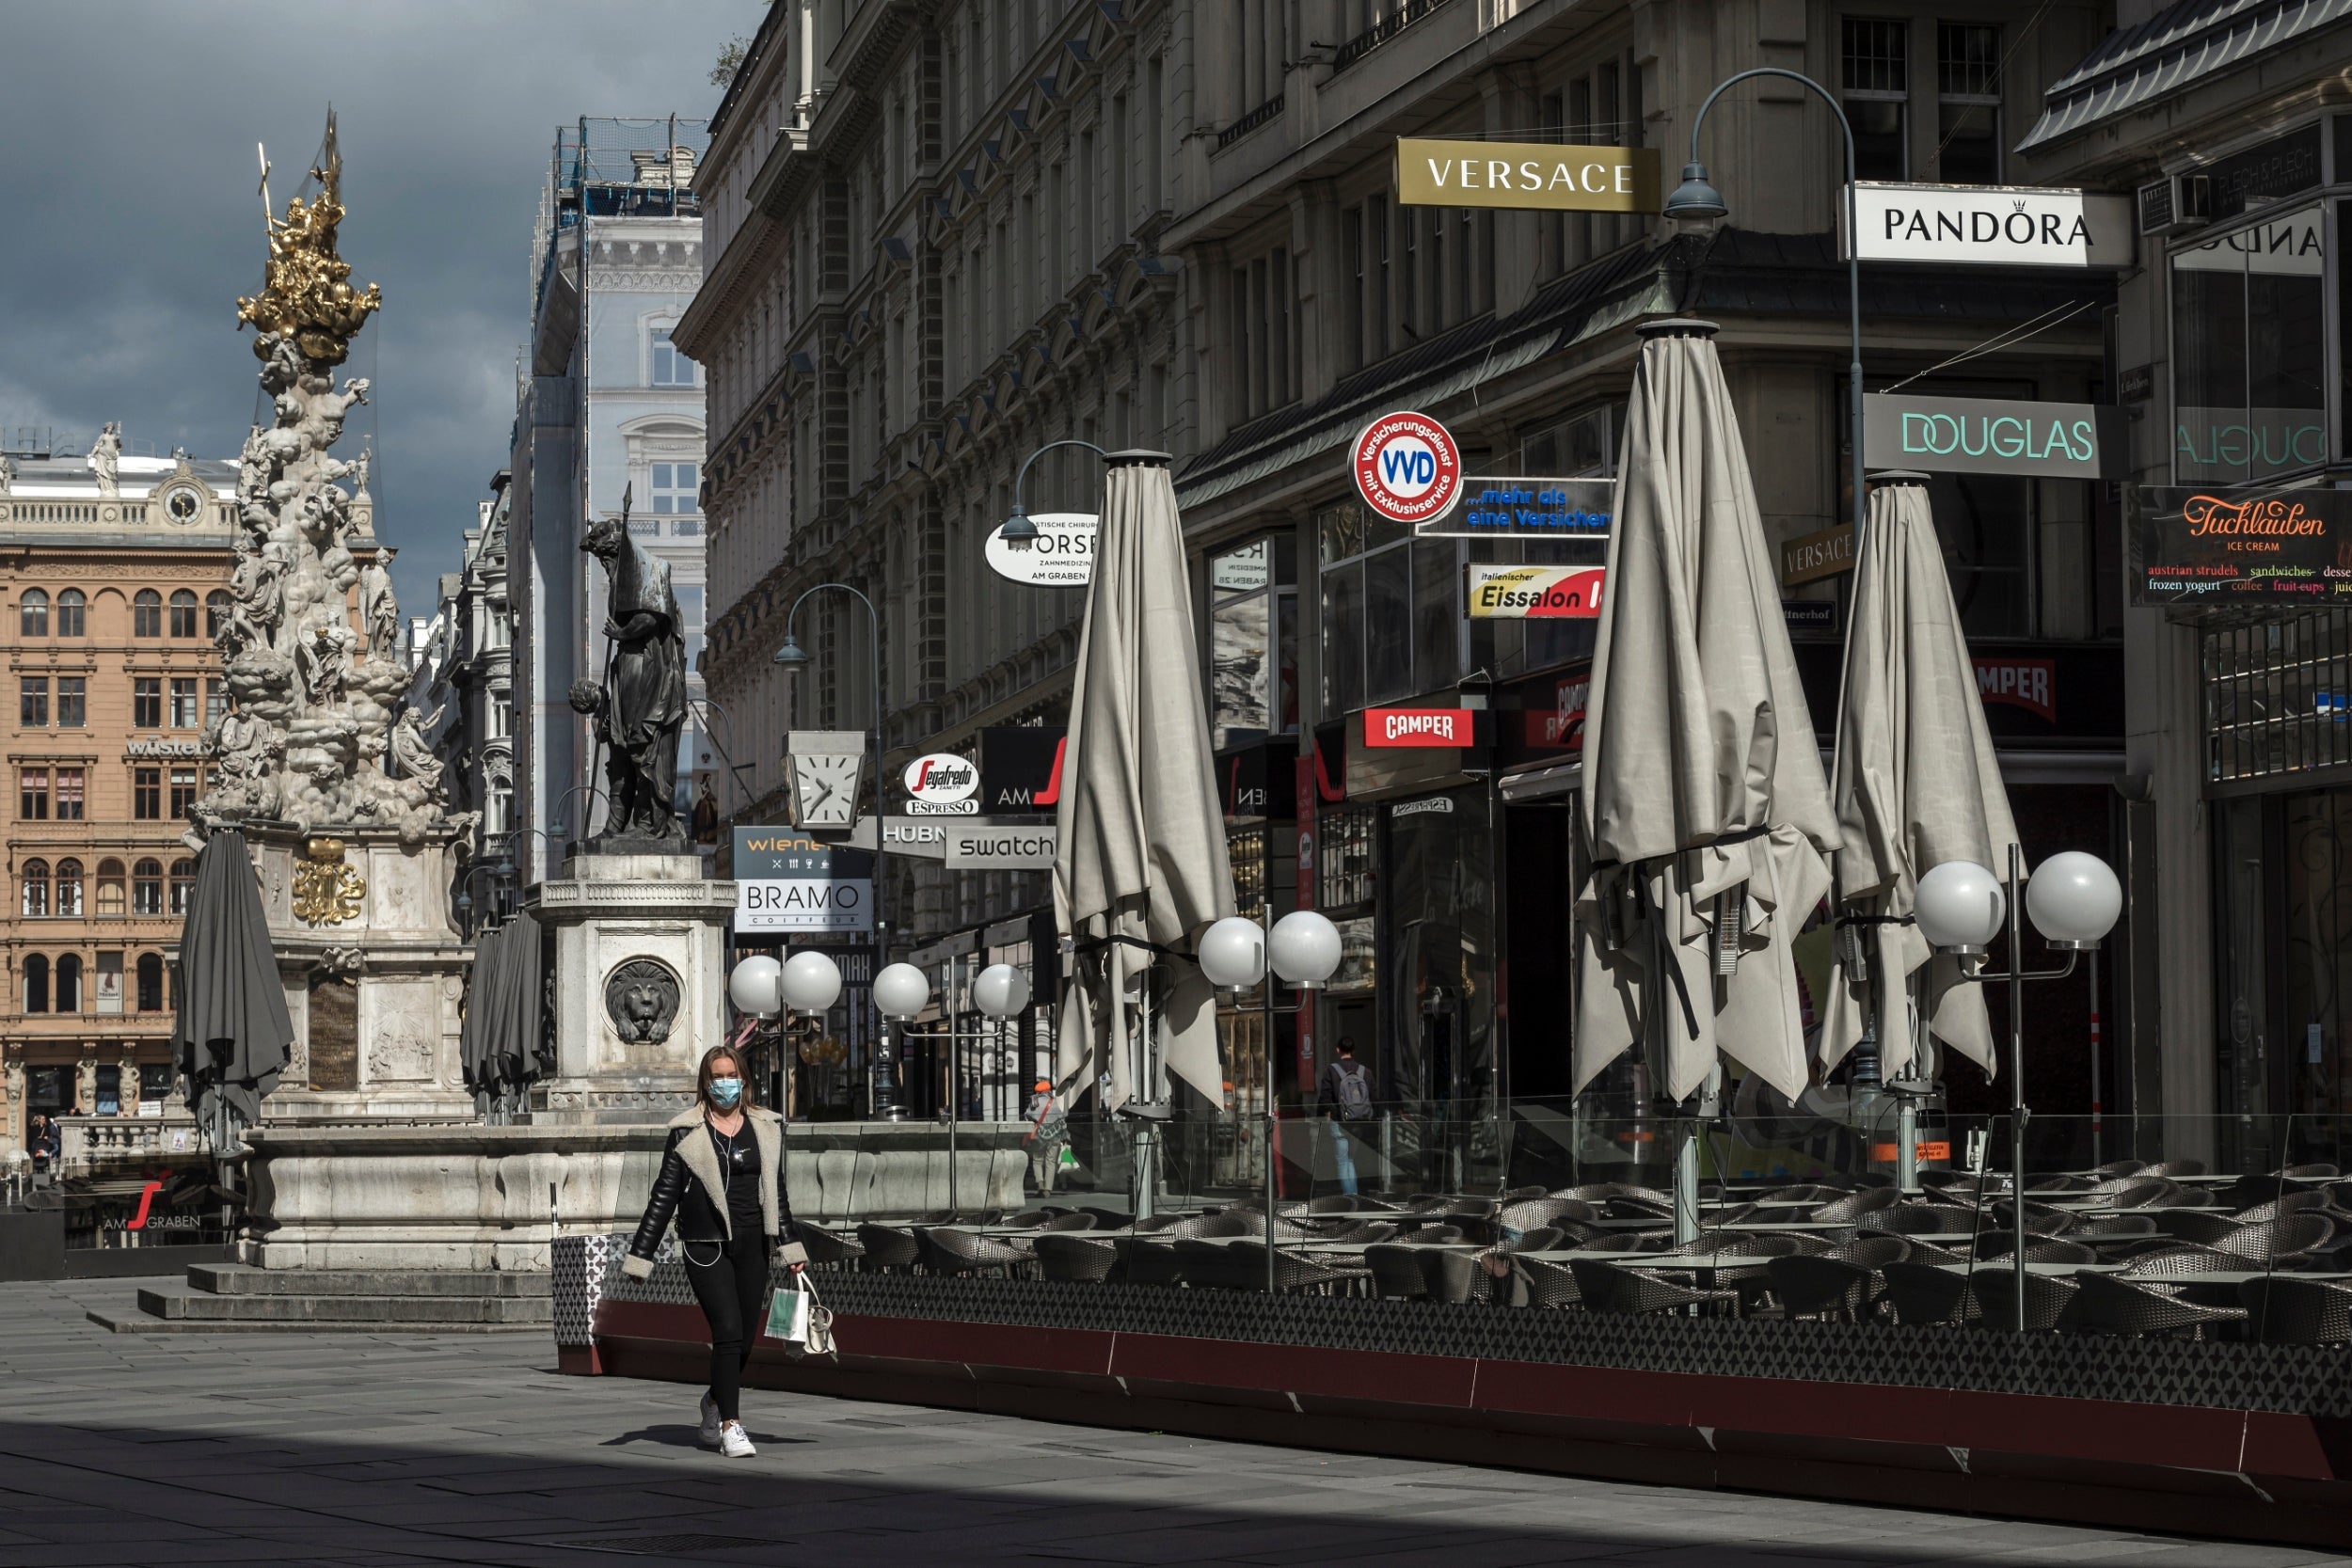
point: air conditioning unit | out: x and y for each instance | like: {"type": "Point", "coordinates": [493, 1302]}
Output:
{"type": "Point", "coordinates": [2176, 202]}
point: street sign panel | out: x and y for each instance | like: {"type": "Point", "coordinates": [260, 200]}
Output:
{"type": "Point", "coordinates": [977, 847]}
{"type": "Point", "coordinates": [789, 882]}
{"type": "Point", "coordinates": [1534, 593]}
{"type": "Point", "coordinates": [2002, 226]}
{"type": "Point", "coordinates": [1547, 176]}
{"type": "Point", "coordinates": [1062, 556]}
{"type": "Point", "coordinates": [1990, 435]}
{"type": "Point", "coordinates": [1408, 468]}
{"type": "Point", "coordinates": [1503, 507]}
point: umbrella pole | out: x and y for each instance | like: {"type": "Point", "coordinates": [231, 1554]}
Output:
{"type": "Point", "coordinates": [1147, 1144]}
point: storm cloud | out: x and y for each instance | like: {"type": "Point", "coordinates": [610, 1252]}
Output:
{"type": "Point", "coordinates": [133, 220]}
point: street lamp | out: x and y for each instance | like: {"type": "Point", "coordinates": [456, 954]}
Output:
{"type": "Point", "coordinates": [1019, 533]}
{"type": "Point", "coordinates": [1304, 946]}
{"type": "Point", "coordinates": [792, 660]}
{"type": "Point", "coordinates": [1960, 907]}
{"type": "Point", "coordinates": [1697, 203]}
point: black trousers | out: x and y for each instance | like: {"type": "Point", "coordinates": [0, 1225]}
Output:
{"type": "Point", "coordinates": [732, 1287]}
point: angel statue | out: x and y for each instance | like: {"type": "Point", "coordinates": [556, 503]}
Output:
{"type": "Point", "coordinates": [414, 752]}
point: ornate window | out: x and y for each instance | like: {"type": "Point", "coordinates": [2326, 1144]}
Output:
{"type": "Point", "coordinates": [184, 614]}
{"type": "Point", "coordinates": [110, 904]}
{"type": "Point", "coordinates": [68, 997]}
{"type": "Point", "coordinates": [35, 889]}
{"type": "Point", "coordinates": [147, 888]}
{"type": "Point", "coordinates": [182, 884]}
{"type": "Point", "coordinates": [151, 983]}
{"type": "Point", "coordinates": [147, 702]}
{"type": "Point", "coordinates": [146, 613]}
{"type": "Point", "coordinates": [67, 889]}
{"type": "Point", "coordinates": [35, 989]}
{"type": "Point", "coordinates": [72, 613]}
{"type": "Point", "coordinates": [666, 366]}
{"type": "Point", "coordinates": [33, 613]}
{"type": "Point", "coordinates": [32, 794]}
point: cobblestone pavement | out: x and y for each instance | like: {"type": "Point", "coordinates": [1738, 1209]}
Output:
{"type": "Point", "coordinates": [281, 1448]}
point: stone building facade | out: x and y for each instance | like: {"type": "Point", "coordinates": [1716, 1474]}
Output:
{"type": "Point", "coordinates": [110, 590]}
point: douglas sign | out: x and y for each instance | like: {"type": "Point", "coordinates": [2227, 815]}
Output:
{"type": "Point", "coordinates": [2192, 546]}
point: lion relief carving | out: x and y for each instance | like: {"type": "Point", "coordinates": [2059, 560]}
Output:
{"type": "Point", "coordinates": [641, 999]}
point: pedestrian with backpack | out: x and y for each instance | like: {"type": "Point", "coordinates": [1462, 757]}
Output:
{"type": "Point", "coordinates": [1345, 1095]}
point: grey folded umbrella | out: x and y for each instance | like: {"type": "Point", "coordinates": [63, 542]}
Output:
{"type": "Point", "coordinates": [1703, 794]}
{"type": "Point", "coordinates": [232, 1034]}
{"type": "Point", "coordinates": [1918, 784]}
{"type": "Point", "coordinates": [499, 1043]}
{"type": "Point", "coordinates": [1141, 863]}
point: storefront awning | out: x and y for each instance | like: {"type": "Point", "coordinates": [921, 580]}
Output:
{"type": "Point", "coordinates": [2171, 51]}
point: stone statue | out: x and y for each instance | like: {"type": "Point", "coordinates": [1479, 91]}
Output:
{"type": "Point", "coordinates": [322, 661]}
{"type": "Point", "coordinates": [7, 474]}
{"type": "Point", "coordinates": [413, 752]}
{"type": "Point", "coordinates": [641, 708]}
{"type": "Point", "coordinates": [360, 472]}
{"type": "Point", "coordinates": [106, 459]}
{"type": "Point", "coordinates": [379, 610]}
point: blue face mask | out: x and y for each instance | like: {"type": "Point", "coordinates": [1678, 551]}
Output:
{"type": "Point", "coordinates": [724, 1092]}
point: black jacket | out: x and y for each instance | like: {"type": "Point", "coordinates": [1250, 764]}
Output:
{"type": "Point", "coordinates": [683, 1191]}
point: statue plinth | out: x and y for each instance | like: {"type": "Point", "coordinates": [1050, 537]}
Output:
{"type": "Point", "coordinates": [373, 969]}
{"type": "Point", "coordinates": [640, 985]}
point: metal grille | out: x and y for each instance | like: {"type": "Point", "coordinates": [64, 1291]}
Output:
{"type": "Point", "coordinates": [2278, 695]}
{"type": "Point", "coordinates": [1967, 61]}
{"type": "Point", "coordinates": [1876, 56]}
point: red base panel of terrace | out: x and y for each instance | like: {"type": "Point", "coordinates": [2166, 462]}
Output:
{"type": "Point", "coordinates": [2250, 1475]}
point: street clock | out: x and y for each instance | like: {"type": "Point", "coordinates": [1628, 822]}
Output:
{"type": "Point", "coordinates": [825, 766]}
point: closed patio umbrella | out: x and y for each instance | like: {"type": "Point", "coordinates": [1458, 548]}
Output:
{"type": "Point", "coordinates": [500, 1043]}
{"type": "Point", "coordinates": [1141, 865]}
{"type": "Point", "coordinates": [232, 1034]}
{"type": "Point", "coordinates": [1918, 784]}
{"type": "Point", "coordinates": [1703, 796]}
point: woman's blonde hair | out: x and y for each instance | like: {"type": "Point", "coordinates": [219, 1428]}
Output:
{"type": "Point", "coordinates": [703, 1075]}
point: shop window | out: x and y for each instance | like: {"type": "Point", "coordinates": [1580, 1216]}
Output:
{"type": "Point", "coordinates": [146, 613]}
{"type": "Point", "coordinates": [32, 701]}
{"type": "Point", "coordinates": [68, 997]}
{"type": "Point", "coordinates": [147, 888]}
{"type": "Point", "coordinates": [66, 889]}
{"type": "Point", "coordinates": [1877, 97]}
{"type": "Point", "coordinates": [2250, 352]}
{"type": "Point", "coordinates": [151, 983]}
{"type": "Point", "coordinates": [155, 1081]}
{"type": "Point", "coordinates": [110, 899]}
{"type": "Point", "coordinates": [182, 884]}
{"type": "Point", "coordinates": [1253, 641]}
{"type": "Point", "coordinates": [146, 794]}
{"type": "Point", "coordinates": [1345, 838]}
{"type": "Point", "coordinates": [32, 794]}
{"type": "Point", "coordinates": [1968, 104]}
{"type": "Point", "coordinates": [33, 613]}
{"type": "Point", "coordinates": [69, 794]}
{"type": "Point", "coordinates": [33, 895]}
{"type": "Point", "coordinates": [1392, 612]}
{"type": "Point", "coordinates": [72, 613]}
{"type": "Point", "coordinates": [147, 702]}
{"type": "Point", "coordinates": [183, 613]}
{"type": "Point", "coordinates": [109, 1085]}
{"type": "Point", "coordinates": [34, 990]}
{"type": "Point", "coordinates": [73, 701]}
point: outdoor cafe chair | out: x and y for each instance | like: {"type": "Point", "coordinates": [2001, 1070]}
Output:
{"type": "Point", "coordinates": [1075, 1258]}
{"type": "Point", "coordinates": [1841, 1283]}
{"type": "Point", "coordinates": [1528, 1214]}
{"type": "Point", "coordinates": [1625, 1241]}
{"type": "Point", "coordinates": [2286, 1203]}
{"type": "Point", "coordinates": [1063, 1222]}
{"type": "Point", "coordinates": [2281, 1309]}
{"type": "Point", "coordinates": [2059, 1186]}
{"type": "Point", "coordinates": [1914, 1219]}
{"type": "Point", "coordinates": [1432, 1235]}
{"type": "Point", "coordinates": [1591, 1192]}
{"type": "Point", "coordinates": [2170, 1262]}
{"type": "Point", "coordinates": [1455, 1276]}
{"type": "Point", "coordinates": [2170, 1168]}
{"type": "Point", "coordinates": [1338, 1203]}
{"type": "Point", "coordinates": [1920, 1292]}
{"type": "Point", "coordinates": [2047, 1296]}
{"type": "Point", "coordinates": [2109, 1226]}
{"type": "Point", "coordinates": [1870, 1200]}
{"type": "Point", "coordinates": [2269, 1242]}
{"type": "Point", "coordinates": [1999, 1244]}
{"type": "Point", "coordinates": [1804, 1192]}
{"type": "Point", "coordinates": [1147, 1260]}
{"type": "Point", "coordinates": [2203, 1227]}
{"type": "Point", "coordinates": [1632, 1291]}
{"type": "Point", "coordinates": [2040, 1219]}
{"type": "Point", "coordinates": [1549, 1284]}
{"type": "Point", "coordinates": [2316, 1171]}
{"type": "Point", "coordinates": [949, 1251]}
{"type": "Point", "coordinates": [1624, 1207]}
{"type": "Point", "coordinates": [1523, 1194]}
{"type": "Point", "coordinates": [2106, 1304]}
{"type": "Point", "coordinates": [2115, 1167]}
{"type": "Point", "coordinates": [1246, 1270]}
{"type": "Point", "coordinates": [1037, 1216]}
{"type": "Point", "coordinates": [2145, 1193]}
{"type": "Point", "coordinates": [888, 1249]}
{"type": "Point", "coordinates": [1396, 1273]}
{"type": "Point", "coordinates": [827, 1249]}
{"type": "Point", "coordinates": [1363, 1230]}
{"type": "Point", "coordinates": [1544, 1238]}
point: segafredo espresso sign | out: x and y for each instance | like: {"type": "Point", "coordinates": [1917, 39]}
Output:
{"type": "Point", "coordinates": [942, 784]}
{"type": "Point", "coordinates": [2006, 226]}
{"type": "Point", "coordinates": [1983, 435]}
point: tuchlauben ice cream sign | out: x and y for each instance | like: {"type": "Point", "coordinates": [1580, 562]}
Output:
{"type": "Point", "coordinates": [2002, 226]}
{"type": "Point", "coordinates": [1986, 435]}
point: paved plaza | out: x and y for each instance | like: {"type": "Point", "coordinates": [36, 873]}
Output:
{"type": "Point", "coordinates": [364, 1447]}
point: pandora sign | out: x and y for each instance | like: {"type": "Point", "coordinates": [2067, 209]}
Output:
{"type": "Point", "coordinates": [1992, 226]}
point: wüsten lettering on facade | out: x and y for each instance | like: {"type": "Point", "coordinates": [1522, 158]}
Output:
{"type": "Point", "coordinates": [2191, 546]}
{"type": "Point", "coordinates": [1983, 435]}
{"type": "Point", "coordinates": [1536, 175]}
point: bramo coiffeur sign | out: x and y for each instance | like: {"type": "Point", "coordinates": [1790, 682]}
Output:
{"type": "Point", "coordinates": [2200, 547]}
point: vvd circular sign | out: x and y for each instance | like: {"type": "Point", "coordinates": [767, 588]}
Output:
{"type": "Point", "coordinates": [1408, 468]}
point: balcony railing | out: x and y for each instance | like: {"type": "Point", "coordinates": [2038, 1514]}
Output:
{"type": "Point", "coordinates": [1249, 122]}
{"type": "Point", "coordinates": [1381, 32]}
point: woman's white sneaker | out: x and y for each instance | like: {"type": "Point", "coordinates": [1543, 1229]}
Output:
{"type": "Point", "coordinates": [709, 1434]}
{"type": "Point", "coordinates": [734, 1442]}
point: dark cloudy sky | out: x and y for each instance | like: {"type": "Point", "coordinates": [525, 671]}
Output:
{"type": "Point", "coordinates": [131, 223]}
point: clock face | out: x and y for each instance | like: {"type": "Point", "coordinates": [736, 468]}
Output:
{"type": "Point", "coordinates": [182, 505]}
{"type": "Point", "coordinates": [826, 784]}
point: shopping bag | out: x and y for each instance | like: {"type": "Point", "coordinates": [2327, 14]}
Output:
{"type": "Point", "coordinates": [788, 1316]}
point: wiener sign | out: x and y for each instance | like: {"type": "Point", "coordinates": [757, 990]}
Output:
{"type": "Point", "coordinates": [1985, 435]}
{"type": "Point", "coordinates": [1387, 727]}
{"type": "Point", "coordinates": [1533, 592]}
{"type": "Point", "coordinates": [2192, 546]}
{"type": "Point", "coordinates": [1544, 175]}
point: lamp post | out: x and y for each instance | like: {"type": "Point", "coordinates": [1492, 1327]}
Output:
{"type": "Point", "coordinates": [793, 661]}
{"type": "Point", "coordinates": [1304, 949]}
{"type": "Point", "coordinates": [1697, 201]}
{"type": "Point", "coordinates": [2074, 900]}
{"type": "Point", "coordinates": [1018, 532]}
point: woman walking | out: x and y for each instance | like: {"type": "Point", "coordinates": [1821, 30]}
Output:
{"type": "Point", "coordinates": [723, 1179]}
